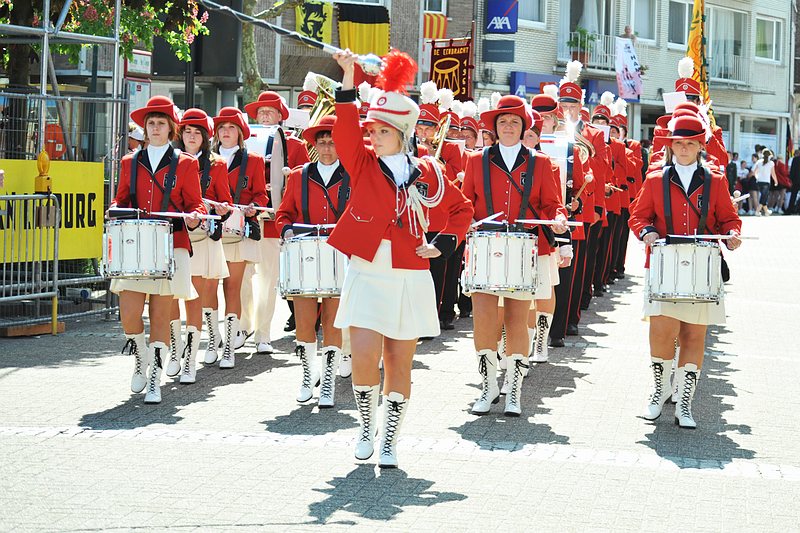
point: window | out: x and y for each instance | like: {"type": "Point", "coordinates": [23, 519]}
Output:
{"type": "Point", "coordinates": [768, 39]}
{"type": "Point", "coordinates": [726, 29]}
{"type": "Point", "coordinates": [531, 10]}
{"type": "Point", "coordinates": [680, 19]}
{"type": "Point", "coordinates": [436, 6]}
{"type": "Point", "coordinates": [644, 19]}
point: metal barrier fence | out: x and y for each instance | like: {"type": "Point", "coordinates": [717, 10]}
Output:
{"type": "Point", "coordinates": [29, 227]}
{"type": "Point", "coordinates": [78, 128]}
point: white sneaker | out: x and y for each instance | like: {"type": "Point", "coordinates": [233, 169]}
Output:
{"type": "Point", "coordinates": [264, 347]}
{"type": "Point", "coordinates": [241, 338]}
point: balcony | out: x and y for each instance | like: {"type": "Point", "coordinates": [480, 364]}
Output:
{"type": "Point", "coordinates": [600, 52]}
{"type": "Point", "coordinates": [729, 69]}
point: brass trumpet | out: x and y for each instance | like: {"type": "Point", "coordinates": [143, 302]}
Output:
{"type": "Point", "coordinates": [324, 106]}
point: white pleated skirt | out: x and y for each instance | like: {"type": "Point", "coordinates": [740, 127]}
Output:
{"type": "Point", "coordinates": [180, 286]}
{"type": "Point", "coordinates": [691, 313]}
{"type": "Point", "coordinates": [246, 250]}
{"type": "Point", "coordinates": [397, 303]}
{"type": "Point", "coordinates": [546, 279]}
{"type": "Point", "coordinates": [208, 259]}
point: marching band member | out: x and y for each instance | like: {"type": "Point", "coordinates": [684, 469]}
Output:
{"type": "Point", "coordinates": [259, 298]}
{"type": "Point", "coordinates": [570, 97]}
{"type": "Point", "coordinates": [316, 193]}
{"type": "Point", "coordinates": [157, 178]}
{"type": "Point", "coordinates": [208, 258]}
{"type": "Point", "coordinates": [388, 297]}
{"type": "Point", "coordinates": [444, 270]}
{"type": "Point", "coordinates": [670, 208]}
{"type": "Point", "coordinates": [504, 189]}
{"type": "Point", "coordinates": [552, 313]}
{"type": "Point", "coordinates": [248, 187]}
{"type": "Point", "coordinates": [633, 160]}
{"type": "Point", "coordinates": [469, 128]}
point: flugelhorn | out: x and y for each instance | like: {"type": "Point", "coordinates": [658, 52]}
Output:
{"type": "Point", "coordinates": [324, 106]}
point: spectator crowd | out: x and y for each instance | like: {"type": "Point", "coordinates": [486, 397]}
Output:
{"type": "Point", "coordinates": [770, 180]}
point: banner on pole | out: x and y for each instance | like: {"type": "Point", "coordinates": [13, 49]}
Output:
{"type": "Point", "coordinates": [450, 66]}
{"type": "Point", "coordinates": [629, 74]}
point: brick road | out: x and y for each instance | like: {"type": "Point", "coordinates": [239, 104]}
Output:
{"type": "Point", "coordinates": [79, 452]}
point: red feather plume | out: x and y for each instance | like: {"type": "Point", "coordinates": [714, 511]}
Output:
{"type": "Point", "coordinates": [398, 71]}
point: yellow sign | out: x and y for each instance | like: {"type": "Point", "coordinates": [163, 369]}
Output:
{"type": "Point", "coordinates": [79, 188]}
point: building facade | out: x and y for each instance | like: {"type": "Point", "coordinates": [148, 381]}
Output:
{"type": "Point", "coordinates": [750, 56]}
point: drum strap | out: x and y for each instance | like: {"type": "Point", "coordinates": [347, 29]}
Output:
{"type": "Point", "coordinates": [137, 155]}
{"type": "Point", "coordinates": [702, 214]}
{"type": "Point", "coordinates": [241, 183]}
{"type": "Point", "coordinates": [169, 180]}
{"type": "Point", "coordinates": [304, 195]}
{"type": "Point", "coordinates": [487, 185]}
{"type": "Point", "coordinates": [341, 197]}
{"type": "Point", "coordinates": [205, 179]}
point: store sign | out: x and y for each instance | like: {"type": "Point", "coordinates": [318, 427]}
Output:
{"type": "Point", "coordinates": [141, 64]}
{"type": "Point", "coordinates": [498, 51]}
{"type": "Point", "coordinates": [501, 16]}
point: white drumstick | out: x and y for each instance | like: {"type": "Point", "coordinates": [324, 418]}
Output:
{"type": "Point", "coordinates": [172, 214]}
{"type": "Point", "coordinates": [314, 226]}
{"type": "Point", "coordinates": [720, 237]}
{"type": "Point", "coordinates": [741, 198]}
{"type": "Point", "coordinates": [490, 218]}
{"type": "Point", "coordinates": [548, 222]}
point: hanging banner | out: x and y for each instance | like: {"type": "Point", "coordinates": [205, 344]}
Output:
{"type": "Point", "coordinates": [450, 66]}
{"type": "Point", "coordinates": [629, 74]}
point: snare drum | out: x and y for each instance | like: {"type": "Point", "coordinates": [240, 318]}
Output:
{"type": "Point", "coordinates": [500, 262]}
{"type": "Point", "coordinates": [686, 272]}
{"type": "Point", "coordinates": [309, 266]}
{"type": "Point", "coordinates": [234, 229]}
{"type": "Point", "coordinates": [138, 249]}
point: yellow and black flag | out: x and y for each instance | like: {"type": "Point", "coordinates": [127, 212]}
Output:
{"type": "Point", "coordinates": [364, 29]}
{"type": "Point", "coordinates": [315, 20]}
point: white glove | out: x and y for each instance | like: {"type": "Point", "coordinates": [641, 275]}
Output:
{"type": "Point", "coordinates": [566, 251]}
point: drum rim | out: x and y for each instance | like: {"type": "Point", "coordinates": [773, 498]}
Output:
{"type": "Point", "coordinates": [138, 222]}
{"type": "Point", "coordinates": [511, 234]}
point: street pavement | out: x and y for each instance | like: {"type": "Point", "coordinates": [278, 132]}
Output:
{"type": "Point", "coordinates": [235, 451]}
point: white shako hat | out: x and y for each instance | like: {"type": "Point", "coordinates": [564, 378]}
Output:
{"type": "Point", "coordinates": [391, 105]}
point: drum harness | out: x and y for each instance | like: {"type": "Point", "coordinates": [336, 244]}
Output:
{"type": "Point", "coordinates": [214, 228]}
{"type": "Point", "coordinates": [525, 192]}
{"type": "Point", "coordinates": [341, 198]}
{"type": "Point", "coordinates": [169, 183]}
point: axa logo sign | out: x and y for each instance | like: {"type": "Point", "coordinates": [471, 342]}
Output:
{"type": "Point", "coordinates": [501, 16]}
{"type": "Point", "coordinates": [499, 24]}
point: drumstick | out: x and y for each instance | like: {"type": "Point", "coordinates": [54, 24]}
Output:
{"type": "Point", "coordinates": [548, 222]}
{"type": "Point", "coordinates": [172, 214]}
{"type": "Point", "coordinates": [580, 191]}
{"type": "Point", "coordinates": [741, 198]}
{"type": "Point", "coordinates": [490, 218]}
{"type": "Point", "coordinates": [720, 237]}
{"type": "Point", "coordinates": [314, 226]}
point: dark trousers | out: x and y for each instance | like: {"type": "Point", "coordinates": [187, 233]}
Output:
{"type": "Point", "coordinates": [575, 287]}
{"type": "Point", "coordinates": [610, 234]}
{"type": "Point", "coordinates": [600, 256]}
{"type": "Point", "coordinates": [452, 273]}
{"type": "Point", "coordinates": [558, 328]}
{"type": "Point", "coordinates": [592, 246]}
{"type": "Point", "coordinates": [793, 208]}
{"type": "Point", "coordinates": [618, 266]}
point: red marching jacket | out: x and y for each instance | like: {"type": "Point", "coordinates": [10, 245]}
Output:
{"type": "Point", "coordinates": [255, 192]}
{"type": "Point", "coordinates": [296, 155]}
{"type": "Point", "coordinates": [600, 163]}
{"type": "Point", "coordinates": [217, 188]}
{"type": "Point", "coordinates": [545, 196]}
{"type": "Point", "coordinates": [324, 201]}
{"type": "Point", "coordinates": [619, 167]}
{"type": "Point", "coordinates": [185, 196]}
{"type": "Point", "coordinates": [647, 211]}
{"type": "Point", "coordinates": [371, 214]}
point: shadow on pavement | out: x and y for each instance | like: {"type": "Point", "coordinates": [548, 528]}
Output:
{"type": "Point", "coordinates": [708, 446]}
{"type": "Point", "coordinates": [496, 431]}
{"type": "Point", "coordinates": [376, 497]}
{"type": "Point", "coordinates": [306, 420]}
{"type": "Point", "coordinates": [134, 413]}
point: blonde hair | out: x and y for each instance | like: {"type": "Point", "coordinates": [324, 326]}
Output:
{"type": "Point", "coordinates": [215, 143]}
